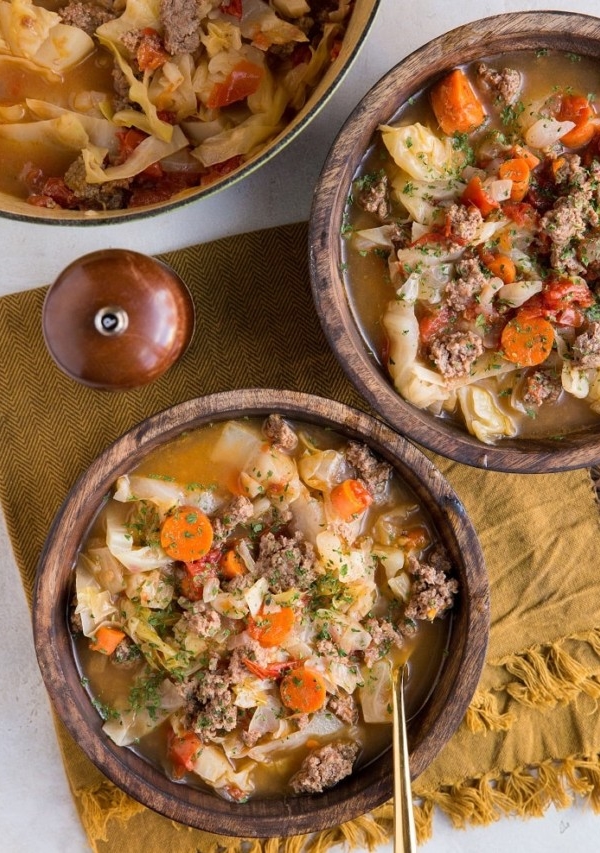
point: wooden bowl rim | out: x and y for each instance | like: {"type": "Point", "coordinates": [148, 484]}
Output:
{"type": "Point", "coordinates": [499, 33]}
{"type": "Point", "coordinates": [358, 30]}
{"type": "Point", "coordinates": [258, 818]}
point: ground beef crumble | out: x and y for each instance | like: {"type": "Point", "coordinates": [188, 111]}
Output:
{"type": "Point", "coordinates": [463, 224]}
{"type": "Point", "coordinates": [181, 26]}
{"type": "Point", "coordinates": [286, 562]}
{"type": "Point", "coordinates": [280, 433]}
{"type": "Point", "coordinates": [541, 386]}
{"type": "Point", "coordinates": [586, 349]}
{"type": "Point", "coordinates": [432, 591]}
{"type": "Point", "coordinates": [86, 16]}
{"type": "Point", "coordinates": [324, 767]}
{"type": "Point", "coordinates": [504, 84]}
{"type": "Point", "coordinates": [461, 291]}
{"type": "Point", "coordinates": [454, 353]}
{"type": "Point", "coordinates": [373, 472]}
{"type": "Point", "coordinates": [210, 709]}
{"type": "Point", "coordinates": [374, 197]}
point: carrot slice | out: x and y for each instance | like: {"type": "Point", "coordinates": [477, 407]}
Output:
{"type": "Point", "coordinates": [349, 498]}
{"type": "Point", "coordinates": [271, 628]}
{"type": "Point", "coordinates": [474, 193]}
{"type": "Point", "coordinates": [516, 170]}
{"type": "Point", "coordinates": [456, 106]}
{"type": "Point", "coordinates": [106, 639]}
{"type": "Point", "coordinates": [303, 690]}
{"type": "Point", "coordinates": [186, 534]}
{"type": "Point", "coordinates": [525, 154]}
{"type": "Point", "coordinates": [527, 340]}
{"type": "Point", "coordinates": [501, 266]}
{"type": "Point", "coordinates": [577, 108]}
{"type": "Point", "coordinates": [232, 565]}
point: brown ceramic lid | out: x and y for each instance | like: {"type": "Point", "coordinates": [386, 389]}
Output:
{"type": "Point", "coordinates": [117, 319]}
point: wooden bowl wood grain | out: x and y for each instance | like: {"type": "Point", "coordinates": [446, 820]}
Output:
{"type": "Point", "coordinates": [488, 37]}
{"type": "Point", "coordinates": [365, 789]}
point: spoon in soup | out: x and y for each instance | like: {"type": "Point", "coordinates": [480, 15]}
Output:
{"type": "Point", "coordinates": [405, 839]}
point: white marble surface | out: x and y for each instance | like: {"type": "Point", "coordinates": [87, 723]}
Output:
{"type": "Point", "coordinates": [36, 811]}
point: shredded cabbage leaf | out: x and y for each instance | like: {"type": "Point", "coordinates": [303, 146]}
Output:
{"type": "Point", "coordinates": [422, 154]}
{"type": "Point", "coordinates": [39, 36]}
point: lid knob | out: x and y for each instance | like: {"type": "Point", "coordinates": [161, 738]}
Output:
{"type": "Point", "coordinates": [117, 319]}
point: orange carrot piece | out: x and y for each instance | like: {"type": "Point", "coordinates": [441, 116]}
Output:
{"type": "Point", "coordinates": [232, 565]}
{"type": "Point", "coordinates": [271, 628]}
{"type": "Point", "coordinates": [303, 690]}
{"type": "Point", "coordinates": [349, 498]}
{"type": "Point", "coordinates": [474, 193]}
{"type": "Point", "coordinates": [577, 108]}
{"type": "Point", "coordinates": [527, 340]}
{"type": "Point", "coordinates": [526, 154]}
{"type": "Point", "coordinates": [106, 639]}
{"type": "Point", "coordinates": [456, 106]}
{"type": "Point", "coordinates": [580, 135]}
{"type": "Point", "coordinates": [516, 170]}
{"type": "Point", "coordinates": [415, 538]}
{"type": "Point", "coordinates": [502, 266]}
{"type": "Point", "coordinates": [186, 534]}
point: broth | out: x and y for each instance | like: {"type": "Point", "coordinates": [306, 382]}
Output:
{"type": "Point", "coordinates": [376, 271]}
{"type": "Point", "coordinates": [106, 107]}
{"type": "Point", "coordinates": [353, 582]}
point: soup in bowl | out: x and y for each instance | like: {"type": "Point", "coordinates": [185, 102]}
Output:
{"type": "Point", "coordinates": [111, 110]}
{"type": "Point", "coordinates": [240, 587]}
{"type": "Point", "coordinates": [466, 245]}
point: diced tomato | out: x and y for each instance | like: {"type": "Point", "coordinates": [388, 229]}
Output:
{"type": "Point", "coordinates": [205, 565]}
{"type": "Point", "coordinates": [232, 7]}
{"type": "Point", "coordinates": [273, 670]}
{"type": "Point", "coordinates": [575, 108]}
{"type": "Point", "coordinates": [561, 301]}
{"type": "Point", "coordinates": [58, 191]}
{"type": "Point", "coordinates": [243, 80]}
{"type": "Point", "coordinates": [128, 140]}
{"type": "Point", "coordinates": [151, 54]}
{"type": "Point", "coordinates": [562, 294]}
{"type": "Point", "coordinates": [432, 238]}
{"type": "Point", "coordinates": [533, 308]}
{"type": "Point", "coordinates": [521, 213]}
{"type": "Point", "coordinates": [219, 170]}
{"type": "Point", "coordinates": [191, 588]}
{"type": "Point", "coordinates": [571, 316]}
{"type": "Point", "coordinates": [432, 324]}
{"type": "Point", "coordinates": [182, 750]}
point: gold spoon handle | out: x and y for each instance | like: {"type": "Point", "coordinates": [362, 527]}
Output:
{"type": "Point", "coordinates": [405, 839]}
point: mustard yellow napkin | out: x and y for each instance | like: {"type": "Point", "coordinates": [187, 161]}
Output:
{"type": "Point", "coordinates": [530, 737]}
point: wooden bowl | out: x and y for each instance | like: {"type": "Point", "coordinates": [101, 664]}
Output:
{"type": "Point", "coordinates": [355, 795]}
{"type": "Point", "coordinates": [357, 30]}
{"type": "Point", "coordinates": [484, 38]}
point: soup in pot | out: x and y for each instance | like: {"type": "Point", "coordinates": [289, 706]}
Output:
{"type": "Point", "coordinates": [112, 104]}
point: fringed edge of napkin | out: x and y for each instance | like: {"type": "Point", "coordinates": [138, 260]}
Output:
{"type": "Point", "coordinates": [103, 803]}
{"type": "Point", "coordinates": [540, 677]}
{"type": "Point", "coordinates": [525, 792]}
